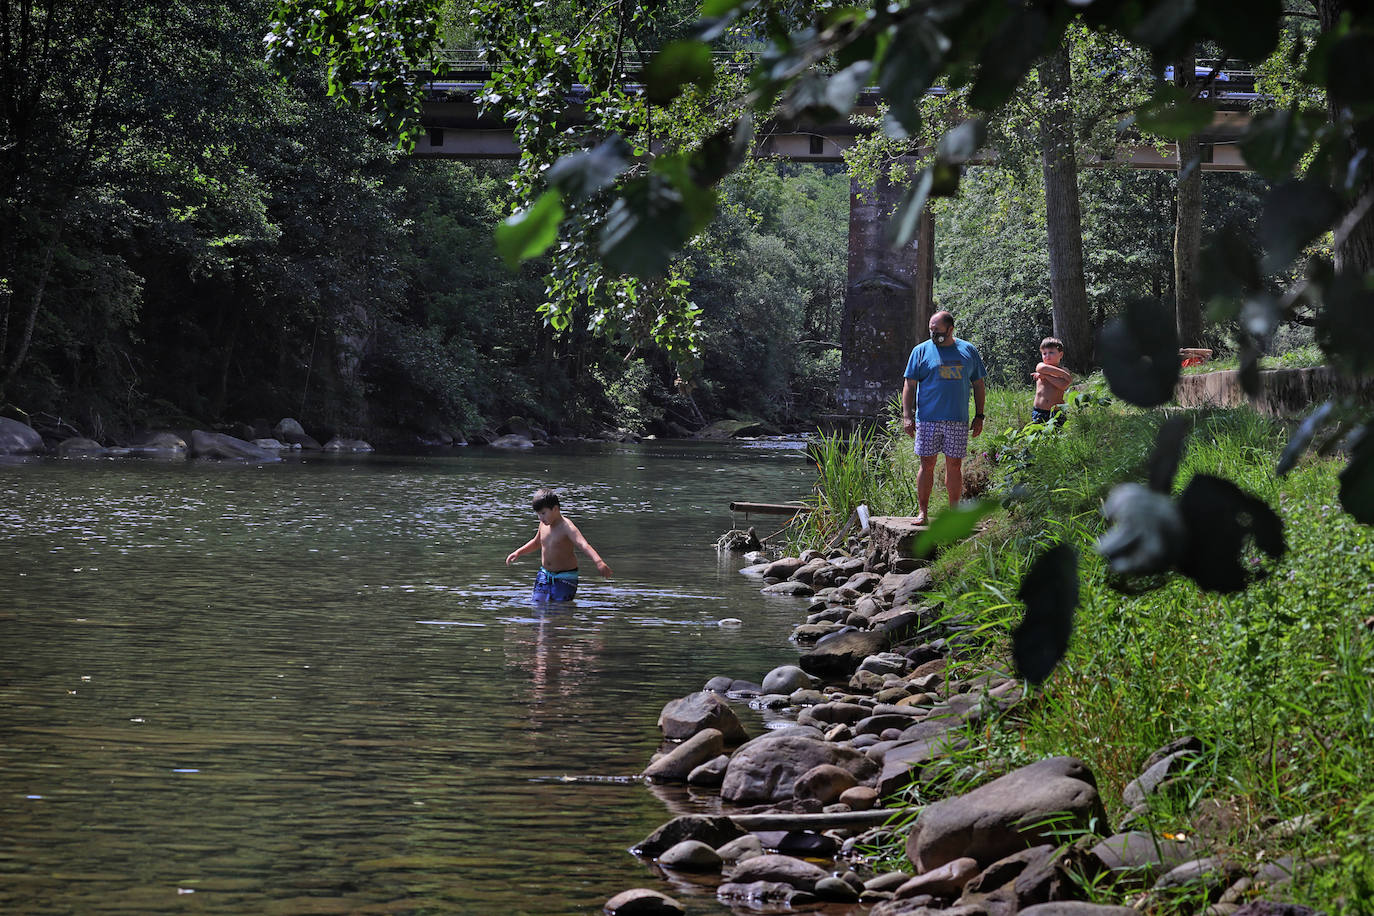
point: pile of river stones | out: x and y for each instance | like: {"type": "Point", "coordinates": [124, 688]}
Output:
{"type": "Point", "coordinates": [287, 436]}
{"type": "Point", "coordinates": [876, 713]}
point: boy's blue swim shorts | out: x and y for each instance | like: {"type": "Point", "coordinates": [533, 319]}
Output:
{"type": "Point", "coordinates": [555, 586]}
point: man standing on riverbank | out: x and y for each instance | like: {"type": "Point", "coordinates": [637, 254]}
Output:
{"type": "Point", "coordinates": [939, 376]}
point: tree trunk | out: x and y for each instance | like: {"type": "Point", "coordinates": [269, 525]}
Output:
{"type": "Point", "coordinates": [1188, 221]}
{"type": "Point", "coordinates": [1072, 322]}
{"type": "Point", "coordinates": [1354, 252]}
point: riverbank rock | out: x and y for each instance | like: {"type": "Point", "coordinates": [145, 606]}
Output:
{"type": "Point", "coordinates": [1138, 857]}
{"type": "Point", "coordinates": [640, 901]}
{"type": "Point", "coordinates": [684, 717]}
{"type": "Point", "coordinates": [713, 830]}
{"type": "Point", "coordinates": [1077, 908]}
{"type": "Point", "coordinates": [511, 442]}
{"type": "Point", "coordinates": [796, 873]}
{"type": "Point", "coordinates": [1010, 813]}
{"type": "Point", "coordinates": [691, 855]}
{"type": "Point", "coordinates": [786, 679]}
{"type": "Point", "coordinates": [18, 438]}
{"type": "Point", "coordinates": [678, 763]}
{"type": "Point", "coordinates": [838, 654]}
{"type": "Point", "coordinates": [289, 431]}
{"type": "Point", "coordinates": [727, 429]}
{"type": "Point", "coordinates": [273, 445]}
{"type": "Point", "coordinates": [227, 448]}
{"type": "Point", "coordinates": [158, 445]}
{"type": "Point", "coordinates": [78, 447]}
{"type": "Point", "coordinates": [766, 769]}
{"type": "Point", "coordinates": [340, 444]}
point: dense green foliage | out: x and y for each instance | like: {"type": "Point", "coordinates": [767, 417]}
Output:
{"type": "Point", "coordinates": [198, 242]}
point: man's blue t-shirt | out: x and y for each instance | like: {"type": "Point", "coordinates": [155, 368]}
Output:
{"type": "Point", "coordinates": [944, 377]}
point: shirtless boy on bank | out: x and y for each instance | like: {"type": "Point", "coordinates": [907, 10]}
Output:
{"type": "Point", "coordinates": [1051, 381]}
{"type": "Point", "coordinates": [555, 540]}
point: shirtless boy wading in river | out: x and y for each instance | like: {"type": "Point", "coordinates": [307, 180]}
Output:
{"type": "Point", "coordinates": [555, 540]}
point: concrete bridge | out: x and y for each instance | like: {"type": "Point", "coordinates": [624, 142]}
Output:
{"type": "Point", "coordinates": [888, 299]}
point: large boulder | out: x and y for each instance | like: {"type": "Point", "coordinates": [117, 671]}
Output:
{"type": "Point", "coordinates": [1023, 808]}
{"type": "Point", "coordinates": [678, 763]}
{"type": "Point", "coordinates": [684, 717]}
{"type": "Point", "coordinates": [512, 442]}
{"type": "Point", "coordinates": [838, 654]}
{"type": "Point", "coordinates": [289, 430]}
{"type": "Point", "coordinates": [18, 438]}
{"type": "Point", "coordinates": [228, 448]}
{"type": "Point", "coordinates": [766, 769]}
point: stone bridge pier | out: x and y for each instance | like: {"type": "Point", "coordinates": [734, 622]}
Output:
{"type": "Point", "coordinates": [888, 301]}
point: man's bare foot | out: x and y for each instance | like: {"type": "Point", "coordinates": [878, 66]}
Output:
{"type": "Point", "coordinates": [921, 519]}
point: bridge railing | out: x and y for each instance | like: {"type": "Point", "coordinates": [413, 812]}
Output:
{"type": "Point", "coordinates": [1232, 86]}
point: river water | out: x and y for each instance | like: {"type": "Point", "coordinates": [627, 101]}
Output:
{"type": "Point", "coordinates": [314, 687]}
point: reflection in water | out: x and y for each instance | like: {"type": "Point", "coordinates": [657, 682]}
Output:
{"type": "Point", "coordinates": [316, 688]}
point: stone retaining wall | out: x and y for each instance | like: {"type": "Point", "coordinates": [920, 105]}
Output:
{"type": "Point", "coordinates": [1283, 392]}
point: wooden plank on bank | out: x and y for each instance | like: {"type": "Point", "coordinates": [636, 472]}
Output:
{"type": "Point", "coordinates": [822, 821]}
{"type": "Point", "coordinates": [768, 508]}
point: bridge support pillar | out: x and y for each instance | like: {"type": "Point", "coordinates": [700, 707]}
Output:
{"type": "Point", "coordinates": [888, 301]}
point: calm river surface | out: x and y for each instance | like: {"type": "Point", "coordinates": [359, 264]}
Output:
{"type": "Point", "coordinates": [314, 687]}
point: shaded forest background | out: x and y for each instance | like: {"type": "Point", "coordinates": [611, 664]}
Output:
{"type": "Point", "coordinates": [187, 240]}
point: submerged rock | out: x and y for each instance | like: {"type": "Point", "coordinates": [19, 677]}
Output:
{"type": "Point", "coordinates": [640, 901]}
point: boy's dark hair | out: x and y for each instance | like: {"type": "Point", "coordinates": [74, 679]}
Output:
{"type": "Point", "coordinates": [545, 498]}
{"type": "Point", "coordinates": [1053, 342]}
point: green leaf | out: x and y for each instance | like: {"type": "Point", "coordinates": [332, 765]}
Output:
{"type": "Point", "coordinates": [580, 175]}
{"type": "Point", "coordinates": [912, 60]}
{"type": "Point", "coordinates": [961, 143]}
{"type": "Point", "coordinates": [1172, 113]}
{"type": "Point", "coordinates": [1139, 352]}
{"type": "Point", "coordinates": [1260, 315]}
{"type": "Point", "coordinates": [906, 220]}
{"type": "Point", "coordinates": [654, 216]}
{"type": "Point", "coordinates": [1357, 478]}
{"type": "Point", "coordinates": [530, 232]}
{"type": "Point", "coordinates": [1229, 269]}
{"type": "Point", "coordinates": [723, 151]}
{"type": "Point", "coordinates": [1302, 438]}
{"type": "Point", "coordinates": [1013, 49]}
{"type": "Point", "coordinates": [1221, 519]}
{"type": "Point", "coordinates": [1050, 592]}
{"type": "Point", "coordinates": [1295, 213]}
{"type": "Point", "coordinates": [1345, 324]}
{"type": "Point", "coordinates": [842, 90]}
{"type": "Point", "coordinates": [806, 93]}
{"type": "Point", "coordinates": [954, 524]}
{"type": "Point", "coordinates": [1350, 75]}
{"type": "Point", "coordinates": [678, 64]}
{"type": "Point", "coordinates": [1147, 531]}
{"type": "Point", "coordinates": [1275, 141]}
{"type": "Point", "coordinates": [1170, 443]}
{"type": "Point", "coordinates": [710, 9]}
